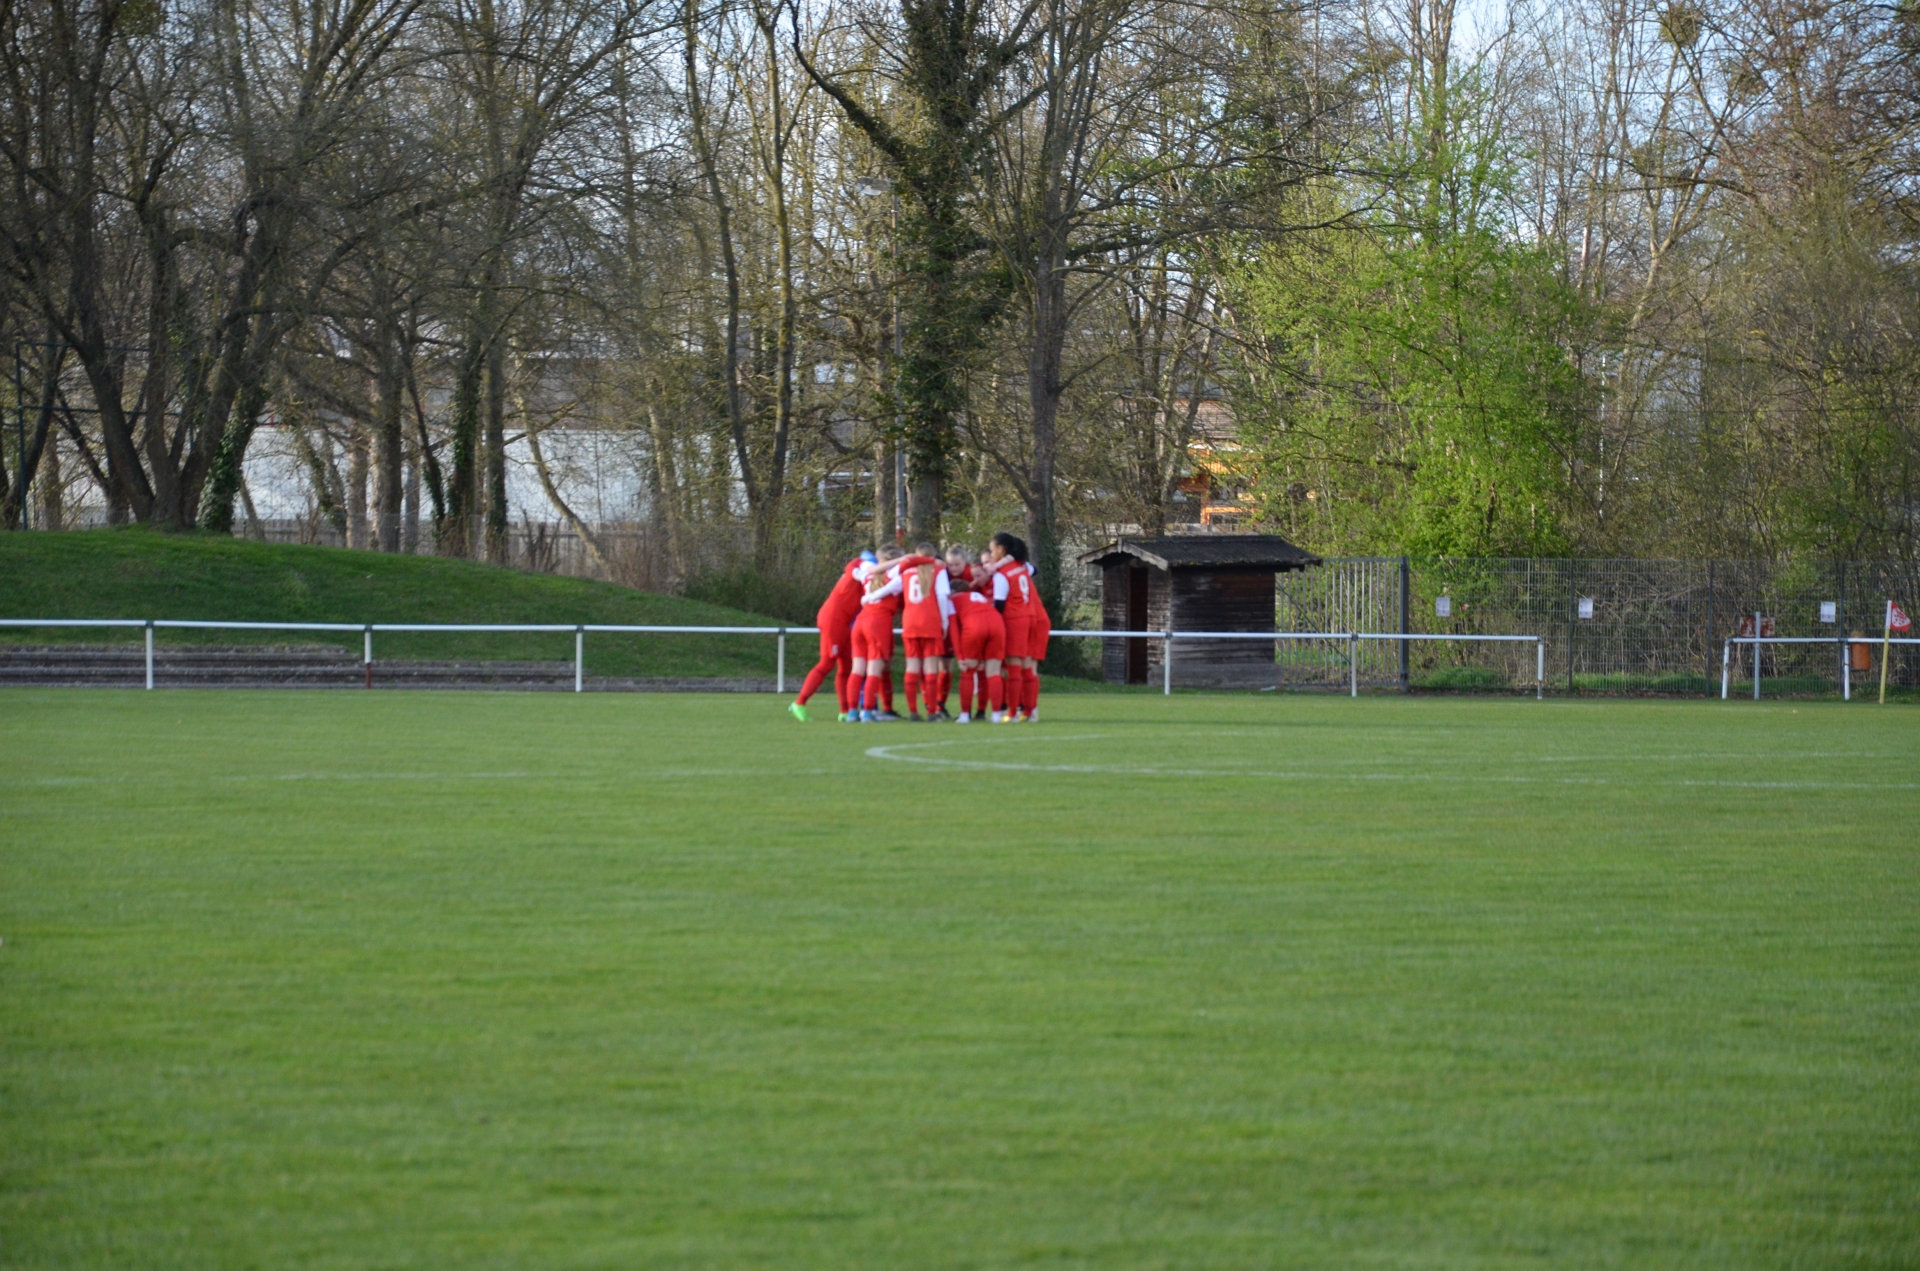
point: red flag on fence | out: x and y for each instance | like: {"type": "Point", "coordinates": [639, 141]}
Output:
{"type": "Point", "coordinates": [1897, 619]}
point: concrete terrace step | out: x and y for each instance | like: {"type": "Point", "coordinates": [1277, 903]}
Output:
{"type": "Point", "coordinates": [85, 666]}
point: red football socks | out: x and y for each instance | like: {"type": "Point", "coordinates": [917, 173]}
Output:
{"type": "Point", "coordinates": [886, 687]}
{"type": "Point", "coordinates": [997, 691]}
{"type": "Point", "coordinates": [966, 692]}
{"type": "Point", "coordinates": [913, 693]}
{"type": "Point", "coordinates": [814, 678]}
{"type": "Point", "coordinates": [843, 687]}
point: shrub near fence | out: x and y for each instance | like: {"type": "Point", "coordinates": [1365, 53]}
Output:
{"type": "Point", "coordinates": [1653, 626]}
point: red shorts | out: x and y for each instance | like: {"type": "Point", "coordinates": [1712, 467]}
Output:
{"type": "Point", "coordinates": [1037, 637]}
{"type": "Point", "coordinates": [873, 635]}
{"type": "Point", "coordinates": [836, 634]}
{"type": "Point", "coordinates": [1017, 629]}
{"type": "Point", "coordinates": [983, 642]}
{"type": "Point", "coordinates": [925, 647]}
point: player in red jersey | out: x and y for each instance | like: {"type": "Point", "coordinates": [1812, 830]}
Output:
{"type": "Point", "coordinates": [981, 645]}
{"type": "Point", "coordinates": [1007, 556]}
{"type": "Point", "coordinates": [959, 579]}
{"type": "Point", "coordinates": [927, 592]}
{"type": "Point", "coordinates": [1039, 632]}
{"type": "Point", "coordinates": [835, 621]}
{"type": "Point", "coordinates": [873, 641]}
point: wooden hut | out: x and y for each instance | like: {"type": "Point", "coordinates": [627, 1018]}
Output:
{"type": "Point", "coordinates": [1198, 582]}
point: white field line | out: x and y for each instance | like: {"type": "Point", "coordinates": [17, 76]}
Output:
{"type": "Point", "coordinates": [892, 753]}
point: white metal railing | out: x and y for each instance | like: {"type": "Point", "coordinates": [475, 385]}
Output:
{"type": "Point", "coordinates": [1843, 643]}
{"type": "Point", "coordinates": [1352, 639]}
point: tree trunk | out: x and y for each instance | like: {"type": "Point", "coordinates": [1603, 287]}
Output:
{"type": "Point", "coordinates": [497, 453]}
{"type": "Point", "coordinates": [463, 491]}
{"type": "Point", "coordinates": [389, 415]}
{"type": "Point", "coordinates": [410, 502]}
{"type": "Point", "coordinates": [1044, 358]}
{"type": "Point", "coordinates": [359, 459]}
{"type": "Point", "coordinates": [13, 513]}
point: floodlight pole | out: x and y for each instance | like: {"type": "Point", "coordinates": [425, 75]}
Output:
{"type": "Point", "coordinates": [579, 659]}
{"type": "Point", "coordinates": [149, 654]}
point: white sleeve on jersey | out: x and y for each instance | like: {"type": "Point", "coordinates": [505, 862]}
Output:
{"type": "Point", "coordinates": [999, 585]}
{"type": "Point", "coordinates": [892, 588]}
{"type": "Point", "coordinates": [944, 590]}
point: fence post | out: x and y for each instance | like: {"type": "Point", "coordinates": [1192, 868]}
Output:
{"type": "Point", "coordinates": [366, 656]}
{"type": "Point", "coordinates": [1756, 655]}
{"type": "Point", "coordinates": [1406, 613]}
{"type": "Point", "coordinates": [1726, 668]}
{"type": "Point", "coordinates": [780, 664]}
{"type": "Point", "coordinates": [1539, 669]}
{"type": "Point", "coordinates": [1840, 630]}
{"type": "Point", "coordinates": [1710, 628]}
{"type": "Point", "coordinates": [1166, 664]}
{"type": "Point", "coordinates": [579, 659]}
{"type": "Point", "coordinates": [1353, 664]}
{"type": "Point", "coordinates": [149, 653]}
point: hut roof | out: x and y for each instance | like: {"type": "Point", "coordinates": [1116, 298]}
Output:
{"type": "Point", "coordinates": [1206, 551]}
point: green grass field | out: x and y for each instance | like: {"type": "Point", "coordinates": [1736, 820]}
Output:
{"type": "Point", "coordinates": [494, 981]}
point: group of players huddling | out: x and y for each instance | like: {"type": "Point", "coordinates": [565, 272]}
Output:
{"type": "Point", "coordinates": [977, 624]}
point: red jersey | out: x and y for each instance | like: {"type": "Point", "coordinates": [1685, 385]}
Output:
{"type": "Point", "coordinates": [1019, 587]}
{"type": "Point", "coordinates": [846, 593]}
{"type": "Point", "coordinates": [883, 590]}
{"type": "Point", "coordinates": [926, 591]}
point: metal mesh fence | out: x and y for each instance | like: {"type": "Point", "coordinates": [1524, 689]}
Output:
{"type": "Point", "coordinates": [1611, 626]}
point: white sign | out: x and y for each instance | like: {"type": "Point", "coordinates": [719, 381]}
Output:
{"type": "Point", "coordinates": [1586, 607]}
{"type": "Point", "coordinates": [1829, 611]}
{"type": "Point", "coordinates": [1443, 607]}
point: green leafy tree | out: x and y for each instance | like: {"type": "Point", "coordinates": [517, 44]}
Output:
{"type": "Point", "coordinates": [1412, 382]}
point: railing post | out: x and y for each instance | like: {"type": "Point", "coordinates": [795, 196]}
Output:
{"type": "Point", "coordinates": [1166, 664]}
{"type": "Point", "coordinates": [1406, 616]}
{"type": "Point", "coordinates": [780, 664]}
{"type": "Point", "coordinates": [366, 655]}
{"type": "Point", "coordinates": [1756, 655]}
{"type": "Point", "coordinates": [579, 659]}
{"type": "Point", "coordinates": [1539, 669]}
{"type": "Point", "coordinates": [149, 653]}
{"type": "Point", "coordinates": [1846, 669]}
{"type": "Point", "coordinates": [1353, 664]}
{"type": "Point", "coordinates": [1726, 668]}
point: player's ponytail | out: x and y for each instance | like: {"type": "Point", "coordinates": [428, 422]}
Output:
{"type": "Point", "coordinates": [1012, 544]}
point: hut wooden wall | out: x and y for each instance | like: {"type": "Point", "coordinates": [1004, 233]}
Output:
{"type": "Point", "coordinates": [1223, 600]}
{"type": "Point", "coordinates": [1113, 617]}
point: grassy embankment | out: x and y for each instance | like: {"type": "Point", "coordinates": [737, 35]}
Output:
{"type": "Point", "coordinates": [140, 574]}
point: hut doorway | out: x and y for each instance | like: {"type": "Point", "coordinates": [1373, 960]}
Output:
{"type": "Point", "coordinates": [1137, 582]}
